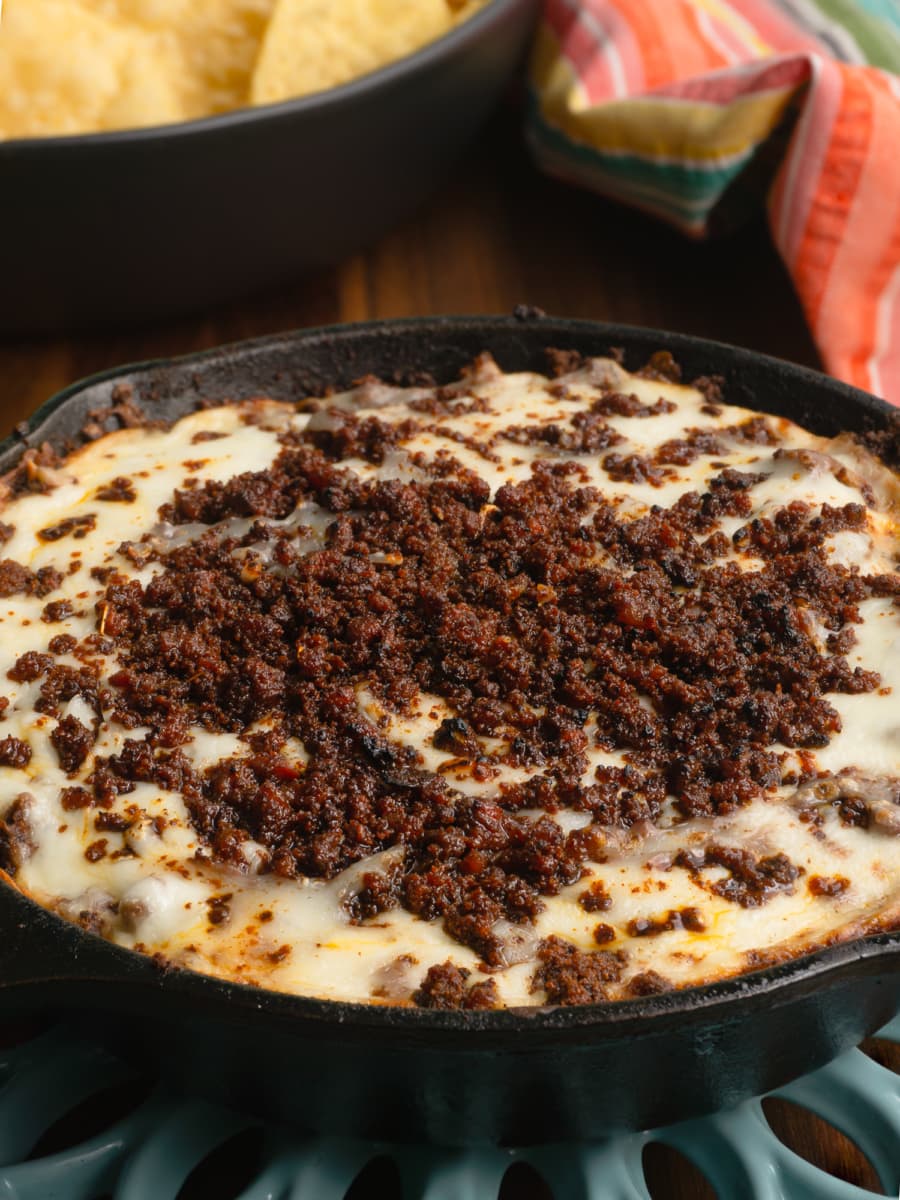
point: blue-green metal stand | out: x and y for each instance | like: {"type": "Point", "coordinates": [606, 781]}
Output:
{"type": "Point", "coordinates": [149, 1154]}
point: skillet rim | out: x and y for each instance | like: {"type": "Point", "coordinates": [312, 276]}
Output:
{"type": "Point", "coordinates": [345, 93]}
{"type": "Point", "coordinates": [646, 1016]}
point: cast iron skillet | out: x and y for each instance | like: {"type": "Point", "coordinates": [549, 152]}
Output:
{"type": "Point", "coordinates": [457, 1078]}
{"type": "Point", "coordinates": [140, 225]}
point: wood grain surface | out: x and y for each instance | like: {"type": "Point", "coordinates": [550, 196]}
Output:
{"type": "Point", "coordinates": [499, 234]}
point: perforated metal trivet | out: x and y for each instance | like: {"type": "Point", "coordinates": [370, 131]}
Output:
{"type": "Point", "coordinates": [163, 1141]}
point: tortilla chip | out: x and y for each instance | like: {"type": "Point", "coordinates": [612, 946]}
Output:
{"type": "Point", "coordinates": [66, 69]}
{"type": "Point", "coordinates": [311, 45]}
{"type": "Point", "coordinates": [83, 66]}
{"type": "Point", "coordinates": [217, 42]}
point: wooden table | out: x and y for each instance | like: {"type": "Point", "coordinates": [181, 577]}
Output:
{"type": "Point", "coordinates": [500, 234]}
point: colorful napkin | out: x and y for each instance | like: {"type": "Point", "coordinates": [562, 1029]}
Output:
{"type": "Point", "coordinates": [697, 111]}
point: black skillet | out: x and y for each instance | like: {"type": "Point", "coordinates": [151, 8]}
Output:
{"type": "Point", "coordinates": [456, 1078]}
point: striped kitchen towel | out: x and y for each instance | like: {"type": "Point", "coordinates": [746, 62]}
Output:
{"type": "Point", "coordinates": [699, 110]}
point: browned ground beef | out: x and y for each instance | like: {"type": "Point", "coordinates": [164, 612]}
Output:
{"type": "Point", "coordinates": [500, 614]}
{"type": "Point", "coordinates": [525, 617]}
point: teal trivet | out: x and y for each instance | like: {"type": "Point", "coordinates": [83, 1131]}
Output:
{"type": "Point", "coordinates": [151, 1152]}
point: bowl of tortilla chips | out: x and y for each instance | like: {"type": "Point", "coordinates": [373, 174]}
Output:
{"type": "Point", "coordinates": [158, 157]}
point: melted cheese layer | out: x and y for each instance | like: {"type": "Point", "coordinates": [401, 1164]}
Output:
{"type": "Point", "coordinates": [151, 889]}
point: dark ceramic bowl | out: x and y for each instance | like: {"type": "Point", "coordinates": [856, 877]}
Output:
{"type": "Point", "coordinates": [119, 228]}
{"type": "Point", "coordinates": [459, 1078]}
